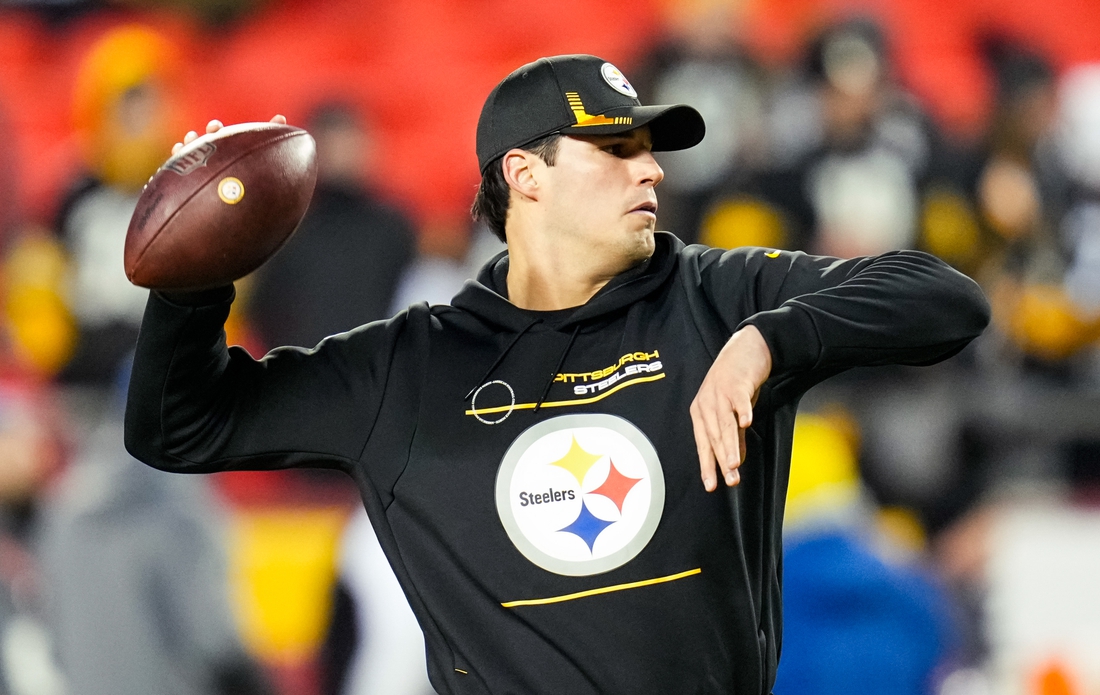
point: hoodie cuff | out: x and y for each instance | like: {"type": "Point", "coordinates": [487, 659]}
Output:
{"type": "Point", "coordinates": [197, 298]}
{"type": "Point", "coordinates": [791, 336]}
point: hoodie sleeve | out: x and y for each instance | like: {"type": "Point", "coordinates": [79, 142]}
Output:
{"type": "Point", "coordinates": [195, 405]}
{"type": "Point", "coordinates": [827, 314]}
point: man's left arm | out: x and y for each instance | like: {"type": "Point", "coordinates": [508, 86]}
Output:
{"type": "Point", "coordinates": [816, 316]}
{"type": "Point", "coordinates": [826, 314]}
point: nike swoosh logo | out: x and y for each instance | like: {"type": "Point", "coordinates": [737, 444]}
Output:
{"type": "Point", "coordinates": [773, 254]}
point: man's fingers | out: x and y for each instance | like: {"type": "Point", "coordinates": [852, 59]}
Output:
{"type": "Point", "coordinates": [744, 414]}
{"type": "Point", "coordinates": [733, 478]}
{"type": "Point", "coordinates": [727, 421]}
{"type": "Point", "coordinates": [708, 415]}
{"type": "Point", "coordinates": [214, 126]}
{"type": "Point", "coordinates": [719, 424]}
{"type": "Point", "coordinates": [742, 417]}
{"type": "Point", "coordinates": [706, 455]}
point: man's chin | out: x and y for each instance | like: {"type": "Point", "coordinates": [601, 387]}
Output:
{"type": "Point", "coordinates": [640, 249]}
{"type": "Point", "coordinates": [646, 242]}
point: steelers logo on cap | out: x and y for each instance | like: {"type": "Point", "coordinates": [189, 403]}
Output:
{"type": "Point", "coordinates": [231, 190]}
{"type": "Point", "coordinates": [580, 494]}
{"type": "Point", "coordinates": [614, 77]}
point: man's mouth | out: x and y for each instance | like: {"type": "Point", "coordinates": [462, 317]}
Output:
{"type": "Point", "coordinates": [647, 207]}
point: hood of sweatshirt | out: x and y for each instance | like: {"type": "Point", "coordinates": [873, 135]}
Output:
{"type": "Point", "coordinates": [487, 297]}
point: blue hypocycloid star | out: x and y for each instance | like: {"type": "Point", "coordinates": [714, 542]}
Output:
{"type": "Point", "coordinates": [587, 526]}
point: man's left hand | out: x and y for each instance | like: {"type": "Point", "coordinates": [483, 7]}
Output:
{"type": "Point", "coordinates": [722, 410]}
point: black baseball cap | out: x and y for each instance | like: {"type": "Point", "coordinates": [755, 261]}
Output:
{"type": "Point", "coordinates": [576, 95]}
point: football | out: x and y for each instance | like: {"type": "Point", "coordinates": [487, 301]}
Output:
{"type": "Point", "coordinates": [220, 207]}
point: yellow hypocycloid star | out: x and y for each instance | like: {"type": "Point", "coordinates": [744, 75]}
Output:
{"type": "Point", "coordinates": [577, 461]}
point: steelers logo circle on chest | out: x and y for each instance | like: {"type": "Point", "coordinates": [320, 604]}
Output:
{"type": "Point", "coordinates": [580, 494]}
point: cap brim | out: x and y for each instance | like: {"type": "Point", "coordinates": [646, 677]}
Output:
{"type": "Point", "coordinates": [672, 127]}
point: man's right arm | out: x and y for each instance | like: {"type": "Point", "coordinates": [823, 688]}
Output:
{"type": "Point", "coordinates": [197, 406]}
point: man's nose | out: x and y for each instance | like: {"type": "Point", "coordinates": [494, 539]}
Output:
{"type": "Point", "coordinates": [649, 171]}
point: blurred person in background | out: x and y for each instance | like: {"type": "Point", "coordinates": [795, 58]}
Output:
{"type": "Point", "coordinates": [1033, 189]}
{"type": "Point", "coordinates": [862, 180]}
{"type": "Point", "coordinates": [1041, 197]}
{"type": "Point", "coordinates": [849, 152]}
{"type": "Point", "coordinates": [137, 578]}
{"type": "Point", "coordinates": [1011, 181]}
{"type": "Point", "coordinates": [341, 268]}
{"type": "Point", "coordinates": [123, 109]}
{"type": "Point", "coordinates": [702, 63]}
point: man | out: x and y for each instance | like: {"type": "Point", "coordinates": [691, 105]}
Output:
{"type": "Point", "coordinates": [526, 455]}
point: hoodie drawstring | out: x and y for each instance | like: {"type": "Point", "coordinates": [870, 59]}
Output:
{"type": "Point", "coordinates": [554, 374]}
{"type": "Point", "coordinates": [501, 358]}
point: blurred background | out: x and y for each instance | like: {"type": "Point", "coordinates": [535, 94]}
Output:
{"type": "Point", "coordinates": [943, 524]}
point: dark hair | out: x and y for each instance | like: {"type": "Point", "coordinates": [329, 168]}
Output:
{"type": "Point", "coordinates": [493, 195]}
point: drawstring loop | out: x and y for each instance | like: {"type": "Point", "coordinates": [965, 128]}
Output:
{"type": "Point", "coordinates": [501, 358]}
{"type": "Point", "coordinates": [554, 374]}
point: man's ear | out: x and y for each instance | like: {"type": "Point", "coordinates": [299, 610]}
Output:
{"type": "Point", "coordinates": [519, 172]}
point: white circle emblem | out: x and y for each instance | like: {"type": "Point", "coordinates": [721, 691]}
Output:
{"type": "Point", "coordinates": [493, 418]}
{"type": "Point", "coordinates": [580, 494]}
{"type": "Point", "coordinates": [614, 77]}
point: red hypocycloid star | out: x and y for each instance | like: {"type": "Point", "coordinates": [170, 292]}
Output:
{"type": "Point", "coordinates": [616, 487]}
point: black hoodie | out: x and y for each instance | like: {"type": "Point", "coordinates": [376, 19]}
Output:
{"type": "Point", "coordinates": [533, 476]}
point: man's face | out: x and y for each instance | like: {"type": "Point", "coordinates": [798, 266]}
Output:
{"type": "Point", "coordinates": [600, 196]}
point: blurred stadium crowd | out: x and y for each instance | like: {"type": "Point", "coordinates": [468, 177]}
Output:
{"type": "Point", "coordinates": [934, 515]}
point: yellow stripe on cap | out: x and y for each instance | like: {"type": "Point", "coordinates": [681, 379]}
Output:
{"type": "Point", "coordinates": [584, 118]}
